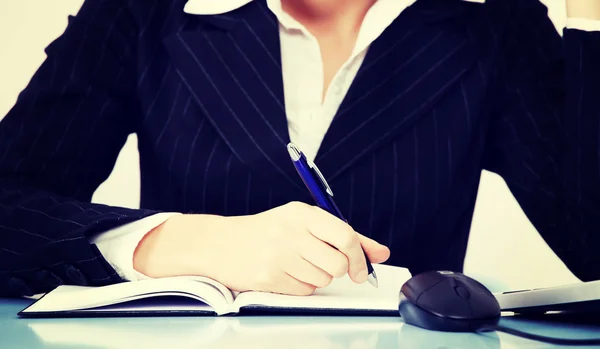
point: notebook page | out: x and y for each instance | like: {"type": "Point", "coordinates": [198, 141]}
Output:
{"type": "Point", "coordinates": [342, 293]}
{"type": "Point", "coordinates": [71, 298]}
{"type": "Point", "coordinates": [165, 302]}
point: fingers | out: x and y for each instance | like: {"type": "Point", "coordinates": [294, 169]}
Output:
{"type": "Point", "coordinates": [323, 256]}
{"type": "Point", "coordinates": [283, 277]}
{"type": "Point", "coordinates": [304, 271]}
{"type": "Point", "coordinates": [376, 252]}
{"type": "Point", "coordinates": [289, 285]}
{"type": "Point", "coordinates": [340, 235]}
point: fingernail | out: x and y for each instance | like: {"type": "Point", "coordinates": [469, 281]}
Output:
{"type": "Point", "coordinates": [362, 276]}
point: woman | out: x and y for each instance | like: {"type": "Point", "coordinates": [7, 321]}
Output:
{"type": "Point", "coordinates": [400, 103]}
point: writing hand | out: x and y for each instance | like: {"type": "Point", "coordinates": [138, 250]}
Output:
{"type": "Point", "coordinates": [291, 249]}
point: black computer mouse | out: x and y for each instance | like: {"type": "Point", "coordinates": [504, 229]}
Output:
{"type": "Point", "coordinates": [447, 301]}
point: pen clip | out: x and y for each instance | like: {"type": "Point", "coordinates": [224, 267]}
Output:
{"type": "Point", "coordinates": [321, 177]}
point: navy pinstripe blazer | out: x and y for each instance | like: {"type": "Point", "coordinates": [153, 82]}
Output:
{"type": "Point", "coordinates": [449, 89]}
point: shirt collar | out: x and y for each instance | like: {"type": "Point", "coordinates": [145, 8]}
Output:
{"type": "Point", "coordinates": [212, 7]}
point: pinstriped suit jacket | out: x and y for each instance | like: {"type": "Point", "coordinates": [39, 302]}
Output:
{"type": "Point", "coordinates": [449, 89]}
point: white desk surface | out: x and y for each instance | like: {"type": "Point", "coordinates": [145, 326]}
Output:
{"type": "Point", "coordinates": [264, 332]}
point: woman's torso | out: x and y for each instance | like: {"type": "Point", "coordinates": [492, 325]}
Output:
{"type": "Point", "coordinates": [403, 155]}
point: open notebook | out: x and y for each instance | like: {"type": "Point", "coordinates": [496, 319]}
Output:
{"type": "Point", "coordinates": [196, 295]}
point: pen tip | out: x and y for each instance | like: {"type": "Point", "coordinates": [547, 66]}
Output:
{"type": "Point", "coordinates": [372, 278]}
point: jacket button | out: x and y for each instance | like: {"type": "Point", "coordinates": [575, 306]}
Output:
{"type": "Point", "coordinates": [47, 279]}
{"type": "Point", "coordinates": [76, 276]}
{"type": "Point", "coordinates": [19, 287]}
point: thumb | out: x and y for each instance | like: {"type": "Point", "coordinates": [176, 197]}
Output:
{"type": "Point", "coordinates": [376, 252]}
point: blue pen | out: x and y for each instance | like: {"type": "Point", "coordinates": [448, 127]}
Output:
{"type": "Point", "coordinates": [321, 193]}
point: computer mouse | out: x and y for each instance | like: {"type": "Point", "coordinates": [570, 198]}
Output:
{"type": "Point", "coordinates": [447, 301]}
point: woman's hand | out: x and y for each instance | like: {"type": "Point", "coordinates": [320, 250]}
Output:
{"type": "Point", "coordinates": [292, 249]}
{"type": "Point", "coordinates": [589, 9]}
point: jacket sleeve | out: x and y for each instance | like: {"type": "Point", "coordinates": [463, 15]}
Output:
{"type": "Point", "coordinates": [544, 136]}
{"type": "Point", "coordinates": [58, 144]}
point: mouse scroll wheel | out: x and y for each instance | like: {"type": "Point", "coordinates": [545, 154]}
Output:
{"type": "Point", "coordinates": [462, 292]}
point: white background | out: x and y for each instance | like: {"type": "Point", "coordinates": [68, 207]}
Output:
{"type": "Point", "coordinates": [505, 251]}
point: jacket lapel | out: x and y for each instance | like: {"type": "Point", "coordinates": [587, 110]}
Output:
{"type": "Point", "coordinates": [232, 66]}
{"type": "Point", "coordinates": [406, 71]}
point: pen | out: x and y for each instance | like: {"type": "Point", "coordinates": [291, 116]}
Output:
{"type": "Point", "coordinates": [322, 194]}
